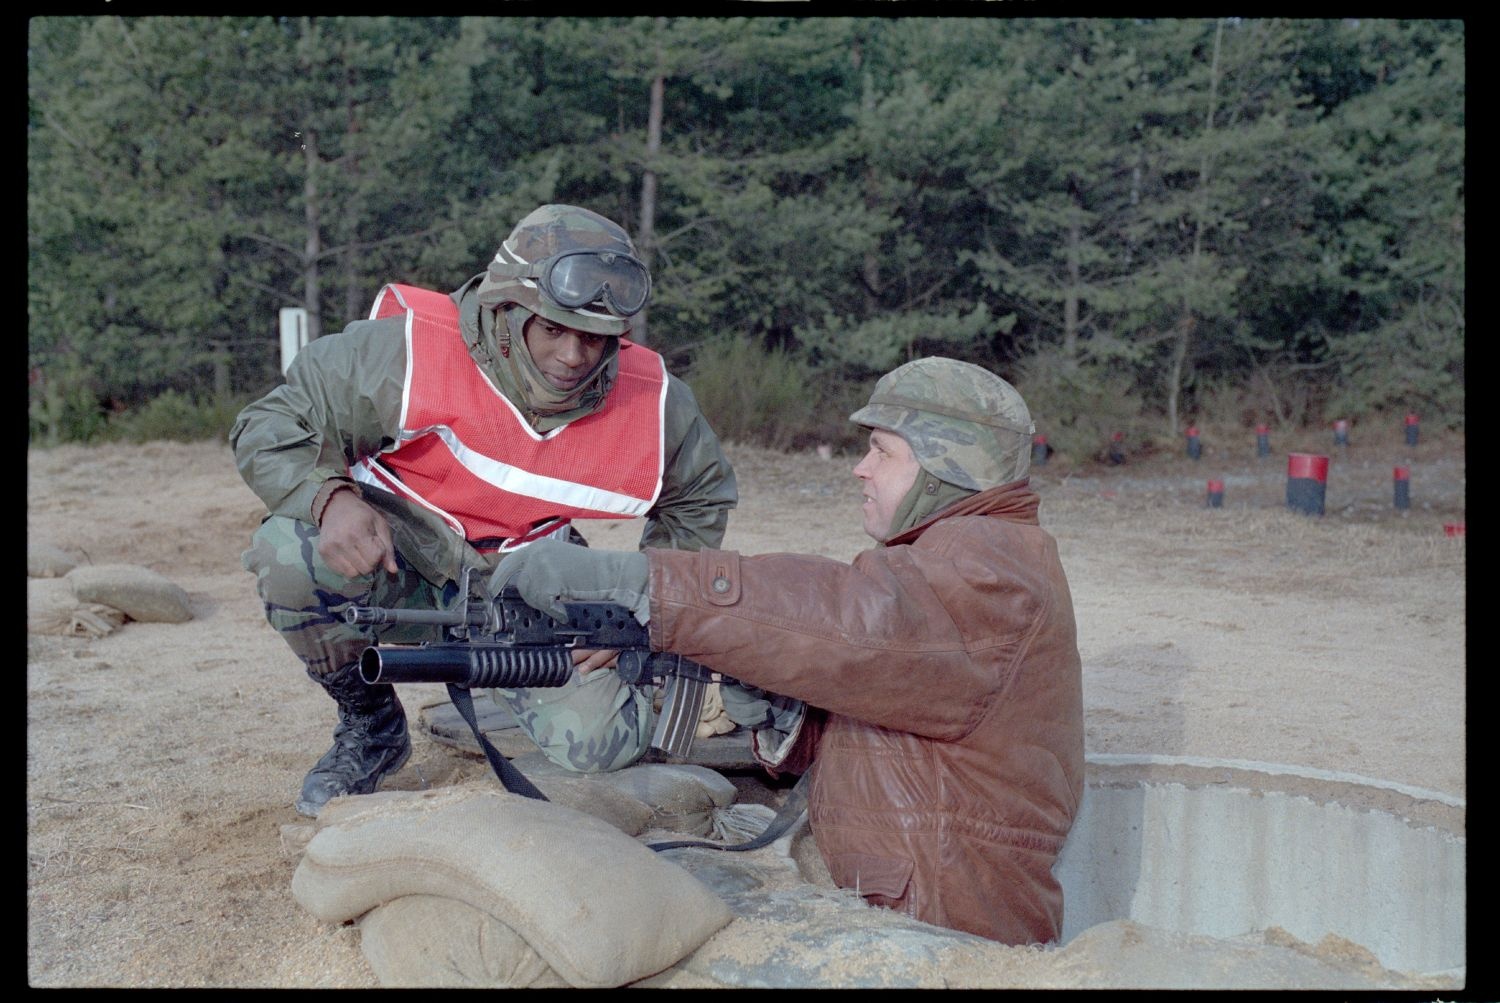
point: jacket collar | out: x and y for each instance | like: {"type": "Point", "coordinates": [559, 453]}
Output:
{"type": "Point", "coordinates": [1013, 502]}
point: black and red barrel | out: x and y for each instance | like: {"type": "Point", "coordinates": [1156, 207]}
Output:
{"type": "Point", "coordinates": [1341, 432]}
{"type": "Point", "coordinates": [1215, 494]}
{"type": "Point", "coordinates": [1117, 448]}
{"type": "Point", "coordinates": [1306, 482]}
{"type": "Point", "coordinates": [1039, 450]}
{"type": "Point", "coordinates": [1194, 447]}
{"type": "Point", "coordinates": [1262, 440]}
{"type": "Point", "coordinates": [1403, 487]}
{"type": "Point", "coordinates": [1413, 428]}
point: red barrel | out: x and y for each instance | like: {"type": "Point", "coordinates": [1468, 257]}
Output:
{"type": "Point", "coordinates": [1341, 433]}
{"type": "Point", "coordinates": [1215, 494]}
{"type": "Point", "coordinates": [1194, 450]}
{"type": "Point", "coordinates": [1412, 430]}
{"type": "Point", "coordinates": [1039, 450]}
{"type": "Point", "coordinates": [1308, 465]}
{"type": "Point", "coordinates": [1306, 482]}
{"type": "Point", "coordinates": [1262, 440]}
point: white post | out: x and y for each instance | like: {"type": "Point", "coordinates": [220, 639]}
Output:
{"type": "Point", "coordinates": [293, 334]}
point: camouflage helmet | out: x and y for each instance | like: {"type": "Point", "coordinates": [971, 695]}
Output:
{"type": "Point", "coordinates": [517, 276]}
{"type": "Point", "coordinates": [966, 425]}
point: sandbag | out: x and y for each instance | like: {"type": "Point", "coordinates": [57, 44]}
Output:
{"type": "Point", "coordinates": [582, 793]}
{"type": "Point", "coordinates": [44, 560]}
{"type": "Point", "coordinates": [587, 792]}
{"type": "Point", "coordinates": [52, 608]}
{"type": "Point", "coordinates": [683, 797]}
{"type": "Point", "coordinates": [597, 907]}
{"type": "Point", "coordinates": [423, 941]}
{"type": "Point", "coordinates": [739, 823]}
{"type": "Point", "coordinates": [139, 592]}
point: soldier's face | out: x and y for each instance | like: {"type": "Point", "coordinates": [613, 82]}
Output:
{"type": "Point", "coordinates": [887, 473]}
{"type": "Point", "coordinates": [563, 355]}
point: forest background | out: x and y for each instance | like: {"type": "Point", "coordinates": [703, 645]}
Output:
{"type": "Point", "coordinates": [1144, 224]}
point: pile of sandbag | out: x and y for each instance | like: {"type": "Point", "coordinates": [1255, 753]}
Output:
{"type": "Point", "coordinates": [473, 887]}
{"type": "Point", "coordinates": [477, 887]}
{"type": "Point", "coordinates": [68, 597]}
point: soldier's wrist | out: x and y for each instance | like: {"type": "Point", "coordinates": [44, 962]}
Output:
{"type": "Point", "coordinates": [325, 495]}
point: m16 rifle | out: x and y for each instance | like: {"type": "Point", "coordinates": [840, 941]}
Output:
{"type": "Point", "coordinates": [505, 644]}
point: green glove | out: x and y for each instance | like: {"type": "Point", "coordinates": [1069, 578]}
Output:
{"type": "Point", "coordinates": [548, 573]}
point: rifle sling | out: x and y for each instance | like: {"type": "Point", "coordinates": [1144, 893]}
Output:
{"type": "Point", "coordinates": [515, 781]}
{"type": "Point", "coordinates": [511, 778]}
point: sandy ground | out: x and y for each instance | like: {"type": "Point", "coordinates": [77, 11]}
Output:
{"type": "Point", "coordinates": [162, 759]}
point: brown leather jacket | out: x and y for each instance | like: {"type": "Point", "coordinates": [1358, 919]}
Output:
{"type": "Point", "coordinates": [949, 764]}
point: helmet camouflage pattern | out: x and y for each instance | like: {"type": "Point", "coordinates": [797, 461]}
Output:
{"type": "Point", "coordinates": [966, 425]}
{"type": "Point", "coordinates": [544, 232]}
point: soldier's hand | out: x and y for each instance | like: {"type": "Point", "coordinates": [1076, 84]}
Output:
{"type": "Point", "coordinates": [549, 572]}
{"type": "Point", "coordinates": [586, 660]}
{"type": "Point", "coordinates": [354, 539]}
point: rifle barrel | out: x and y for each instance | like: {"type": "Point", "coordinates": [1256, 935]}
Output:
{"type": "Point", "coordinates": [434, 617]}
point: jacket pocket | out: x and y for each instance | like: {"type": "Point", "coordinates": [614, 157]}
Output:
{"type": "Point", "coordinates": [871, 875]}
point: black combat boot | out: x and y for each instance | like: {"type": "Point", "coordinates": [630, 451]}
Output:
{"type": "Point", "coordinates": [369, 744]}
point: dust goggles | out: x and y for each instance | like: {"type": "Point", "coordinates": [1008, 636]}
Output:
{"type": "Point", "coordinates": [574, 279]}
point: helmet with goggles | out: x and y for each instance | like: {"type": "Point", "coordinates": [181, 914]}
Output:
{"type": "Point", "coordinates": [571, 266]}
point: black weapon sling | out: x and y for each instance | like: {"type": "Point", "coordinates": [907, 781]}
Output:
{"type": "Point", "coordinates": [511, 778]}
{"type": "Point", "coordinates": [515, 781]}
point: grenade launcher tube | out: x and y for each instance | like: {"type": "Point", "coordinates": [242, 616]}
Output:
{"type": "Point", "coordinates": [473, 666]}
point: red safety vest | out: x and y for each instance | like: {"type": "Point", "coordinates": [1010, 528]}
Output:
{"type": "Point", "coordinates": [467, 453]}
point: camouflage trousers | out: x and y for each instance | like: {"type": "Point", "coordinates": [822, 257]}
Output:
{"type": "Point", "coordinates": [593, 724]}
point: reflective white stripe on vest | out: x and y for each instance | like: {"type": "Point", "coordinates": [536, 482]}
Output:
{"type": "Point", "coordinates": [524, 482]}
{"type": "Point", "coordinates": [366, 472]}
{"type": "Point", "coordinates": [554, 531]}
